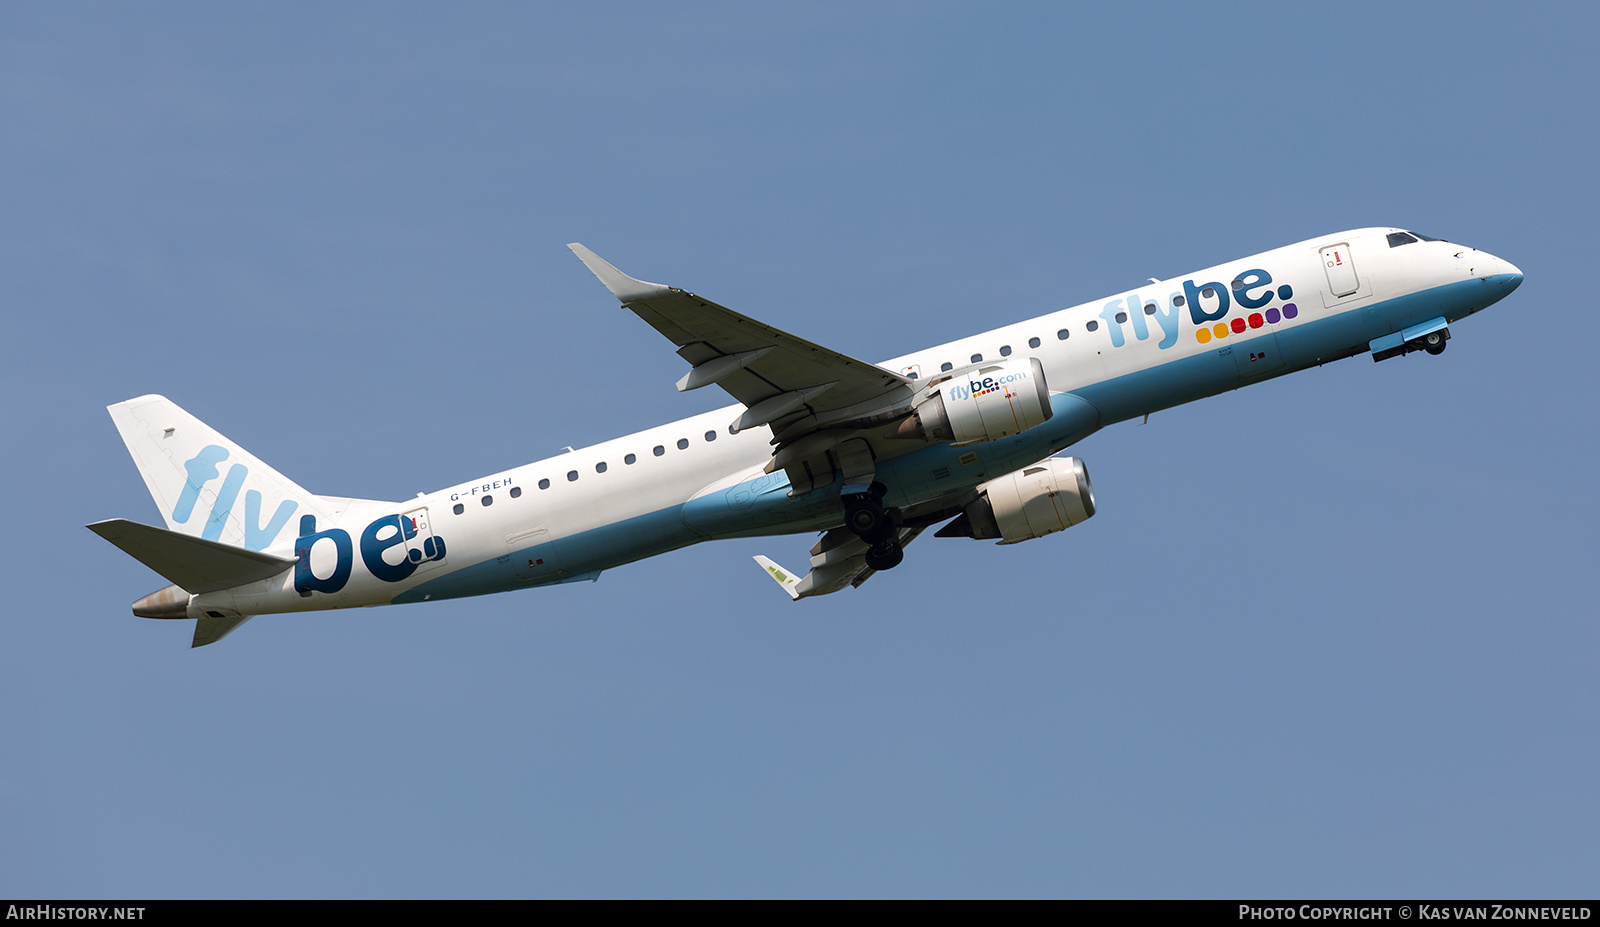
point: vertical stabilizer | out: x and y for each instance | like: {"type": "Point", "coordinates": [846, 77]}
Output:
{"type": "Point", "coordinates": [205, 485]}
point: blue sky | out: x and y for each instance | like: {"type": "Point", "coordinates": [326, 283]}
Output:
{"type": "Point", "coordinates": [1331, 636]}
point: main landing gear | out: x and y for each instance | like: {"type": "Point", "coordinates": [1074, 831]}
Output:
{"type": "Point", "coordinates": [1434, 342]}
{"type": "Point", "coordinates": [879, 527]}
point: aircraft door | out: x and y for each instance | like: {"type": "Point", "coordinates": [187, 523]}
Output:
{"type": "Point", "coordinates": [422, 548]}
{"type": "Point", "coordinates": [402, 546]}
{"type": "Point", "coordinates": [1340, 268]}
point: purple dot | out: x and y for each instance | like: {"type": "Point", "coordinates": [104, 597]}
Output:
{"type": "Point", "coordinates": [1289, 311]}
{"type": "Point", "coordinates": [1272, 316]}
{"type": "Point", "coordinates": [1284, 292]}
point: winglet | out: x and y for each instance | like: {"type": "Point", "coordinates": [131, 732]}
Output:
{"type": "Point", "coordinates": [781, 576]}
{"type": "Point", "coordinates": [623, 287]}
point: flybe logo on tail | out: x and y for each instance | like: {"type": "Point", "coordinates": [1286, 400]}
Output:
{"type": "Point", "coordinates": [405, 539]}
{"type": "Point", "coordinates": [202, 469]}
{"type": "Point", "coordinates": [1208, 304]}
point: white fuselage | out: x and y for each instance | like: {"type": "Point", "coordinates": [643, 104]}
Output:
{"type": "Point", "coordinates": [1144, 349]}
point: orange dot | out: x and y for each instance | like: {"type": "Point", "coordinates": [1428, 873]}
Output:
{"type": "Point", "coordinates": [1220, 330]}
{"type": "Point", "coordinates": [1201, 335]}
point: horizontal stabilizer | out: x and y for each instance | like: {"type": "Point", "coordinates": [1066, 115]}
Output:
{"type": "Point", "coordinates": [211, 630]}
{"type": "Point", "coordinates": [196, 564]}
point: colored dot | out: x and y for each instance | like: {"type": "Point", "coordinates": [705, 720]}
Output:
{"type": "Point", "coordinates": [1202, 335]}
{"type": "Point", "coordinates": [1285, 291]}
{"type": "Point", "coordinates": [1289, 311]}
{"type": "Point", "coordinates": [1255, 320]}
{"type": "Point", "coordinates": [1220, 330]}
{"type": "Point", "coordinates": [1272, 316]}
{"type": "Point", "coordinates": [1238, 326]}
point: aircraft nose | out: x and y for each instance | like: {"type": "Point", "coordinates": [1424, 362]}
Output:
{"type": "Point", "coordinates": [1497, 272]}
{"type": "Point", "coordinates": [1504, 273]}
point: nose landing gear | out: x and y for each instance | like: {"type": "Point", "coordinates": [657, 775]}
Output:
{"type": "Point", "coordinates": [866, 517]}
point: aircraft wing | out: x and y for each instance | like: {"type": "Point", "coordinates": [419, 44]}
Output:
{"type": "Point", "coordinates": [782, 380]}
{"type": "Point", "coordinates": [837, 560]}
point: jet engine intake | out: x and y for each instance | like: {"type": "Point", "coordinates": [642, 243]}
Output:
{"type": "Point", "coordinates": [1049, 496]}
{"type": "Point", "coordinates": [986, 403]}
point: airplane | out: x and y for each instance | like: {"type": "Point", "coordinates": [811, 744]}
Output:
{"type": "Point", "coordinates": [868, 455]}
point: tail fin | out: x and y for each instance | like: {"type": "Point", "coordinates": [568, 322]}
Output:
{"type": "Point", "coordinates": [197, 478]}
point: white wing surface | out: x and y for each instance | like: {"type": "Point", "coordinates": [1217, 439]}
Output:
{"type": "Point", "coordinates": [796, 387]}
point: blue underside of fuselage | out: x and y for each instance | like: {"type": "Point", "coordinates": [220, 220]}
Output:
{"type": "Point", "coordinates": [763, 506]}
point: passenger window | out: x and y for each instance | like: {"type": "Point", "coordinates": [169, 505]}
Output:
{"type": "Point", "coordinates": [733, 429]}
{"type": "Point", "coordinates": [1092, 326]}
{"type": "Point", "coordinates": [516, 492]}
{"type": "Point", "coordinates": [1122, 317]}
{"type": "Point", "coordinates": [544, 484]}
{"type": "Point", "coordinates": [1005, 350]}
{"type": "Point", "coordinates": [572, 476]}
{"type": "Point", "coordinates": [1149, 308]}
{"type": "Point", "coordinates": [711, 436]}
{"type": "Point", "coordinates": [658, 450]}
{"type": "Point", "coordinates": [1033, 342]}
{"type": "Point", "coordinates": [1062, 335]}
{"type": "Point", "coordinates": [1177, 300]}
{"type": "Point", "coordinates": [600, 467]}
{"type": "Point", "coordinates": [459, 508]}
{"type": "Point", "coordinates": [945, 367]}
{"type": "Point", "coordinates": [488, 501]}
{"type": "Point", "coordinates": [683, 444]}
{"type": "Point", "coordinates": [976, 358]}
{"type": "Point", "coordinates": [630, 460]}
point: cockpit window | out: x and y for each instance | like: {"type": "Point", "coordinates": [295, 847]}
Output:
{"type": "Point", "coordinates": [1396, 239]}
{"type": "Point", "coordinates": [1426, 238]}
